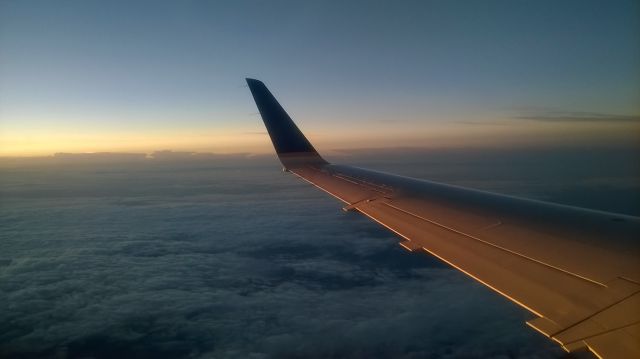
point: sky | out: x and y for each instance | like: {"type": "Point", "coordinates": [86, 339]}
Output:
{"type": "Point", "coordinates": [141, 76]}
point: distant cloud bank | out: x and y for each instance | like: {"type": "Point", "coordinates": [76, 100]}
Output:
{"type": "Point", "coordinates": [132, 158]}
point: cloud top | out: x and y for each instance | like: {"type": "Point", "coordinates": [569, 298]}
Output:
{"type": "Point", "coordinates": [236, 262]}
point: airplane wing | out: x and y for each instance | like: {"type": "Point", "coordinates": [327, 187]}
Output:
{"type": "Point", "coordinates": [576, 270]}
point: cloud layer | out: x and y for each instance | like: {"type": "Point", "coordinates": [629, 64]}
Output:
{"type": "Point", "coordinates": [226, 262]}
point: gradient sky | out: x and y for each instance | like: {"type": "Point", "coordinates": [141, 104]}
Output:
{"type": "Point", "coordinates": [84, 76]}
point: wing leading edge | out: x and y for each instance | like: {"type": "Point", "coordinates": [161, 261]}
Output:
{"type": "Point", "coordinates": [576, 270]}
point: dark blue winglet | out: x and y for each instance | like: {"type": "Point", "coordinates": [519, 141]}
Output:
{"type": "Point", "coordinates": [287, 139]}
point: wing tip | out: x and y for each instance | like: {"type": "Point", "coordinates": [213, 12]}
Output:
{"type": "Point", "coordinates": [252, 81]}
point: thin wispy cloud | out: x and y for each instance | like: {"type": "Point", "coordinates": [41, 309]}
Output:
{"type": "Point", "coordinates": [482, 123]}
{"type": "Point", "coordinates": [575, 116]}
{"type": "Point", "coordinates": [254, 133]}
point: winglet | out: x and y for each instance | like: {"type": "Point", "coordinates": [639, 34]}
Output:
{"type": "Point", "coordinates": [292, 147]}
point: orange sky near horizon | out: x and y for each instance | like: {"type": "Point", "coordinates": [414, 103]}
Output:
{"type": "Point", "coordinates": [499, 134]}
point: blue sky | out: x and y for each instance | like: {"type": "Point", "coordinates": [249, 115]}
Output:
{"type": "Point", "coordinates": [146, 75]}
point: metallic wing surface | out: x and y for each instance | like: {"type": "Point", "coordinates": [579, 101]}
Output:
{"type": "Point", "coordinates": [576, 270]}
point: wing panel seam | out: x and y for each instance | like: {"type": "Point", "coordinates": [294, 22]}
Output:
{"type": "Point", "coordinates": [593, 315]}
{"type": "Point", "coordinates": [455, 266]}
{"type": "Point", "coordinates": [496, 246]}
